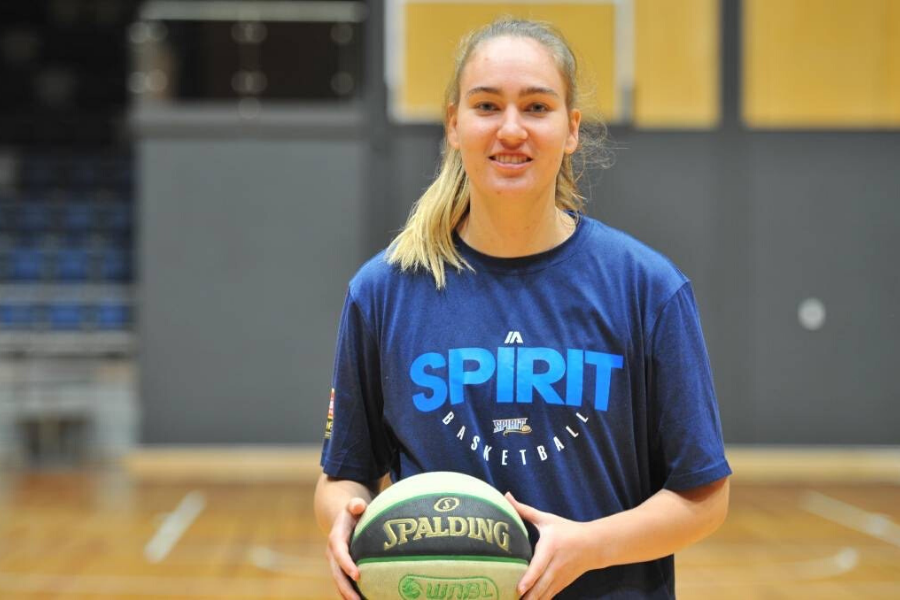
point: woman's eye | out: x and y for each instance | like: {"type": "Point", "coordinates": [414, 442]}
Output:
{"type": "Point", "coordinates": [485, 106]}
{"type": "Point", "coordinates": [537, 107]}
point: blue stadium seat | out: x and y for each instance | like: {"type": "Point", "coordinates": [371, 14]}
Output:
{"type": "Point", "coordinates": [115, 265]}
{"type": "Point", "coordinates": [26, 264]}
{"type": "Point", "coordinates": [78, 216]}
{"type": "Point", "coordinates": [35, 216]}
{"type": "Point", "coordinates": [67, 316]}
{"type": "Point", "coordinates": [73, 265]}
{"type": "Point", "coordinates": [118, 217]}
{"type": "Point", "coordinates": [32, 239]}
{"type": "Point", "coordinates": [17, 316]}
{"type": "Point", "coordinates": [74, 239]}
{"type": "Point", "coordinates": [113, 316]}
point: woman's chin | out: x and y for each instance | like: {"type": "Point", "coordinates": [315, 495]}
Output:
{"type": "Point", "coordinates": [513, 188]}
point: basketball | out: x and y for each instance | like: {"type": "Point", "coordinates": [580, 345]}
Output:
{"type": "Point", "coordinates": [440, 535]}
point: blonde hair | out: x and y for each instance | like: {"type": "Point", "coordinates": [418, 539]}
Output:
{"type": "Point", "coordinates": [426, 241]}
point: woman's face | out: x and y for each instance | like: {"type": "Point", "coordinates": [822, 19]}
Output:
{"type": "Point", "coordinates": [511, 124]}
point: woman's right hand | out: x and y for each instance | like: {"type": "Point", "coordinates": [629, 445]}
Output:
{"type": "Point", "coordinates": [343, 569]}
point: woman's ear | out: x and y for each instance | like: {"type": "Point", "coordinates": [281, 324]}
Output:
{"type": "Point", "coordinates": [574, 123]}
{"type": "Point", "coordinates": [452, 135]}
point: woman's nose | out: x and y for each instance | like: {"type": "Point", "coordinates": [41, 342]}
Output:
{"type": "Point", "coordinates": [511, 128]}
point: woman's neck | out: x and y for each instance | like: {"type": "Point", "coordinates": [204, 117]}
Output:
{"type": "Point", "coordinates": [510, 231]}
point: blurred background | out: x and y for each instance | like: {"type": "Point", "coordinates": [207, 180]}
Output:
{"type": "Point", "coordinates": [186, 188]}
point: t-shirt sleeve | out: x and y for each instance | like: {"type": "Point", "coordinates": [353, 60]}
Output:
{"type": "Point", "coordinates": [688, 449]}
{"type": "Point", "coordinates": [357, 444]}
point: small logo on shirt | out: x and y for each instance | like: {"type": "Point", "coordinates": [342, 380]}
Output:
{"type": "Point", "coordinates": [513, 337]}
{"type": "Point", "coordinates": [508, 426]}
{"type": "Point", "coordinates": [330, 422]}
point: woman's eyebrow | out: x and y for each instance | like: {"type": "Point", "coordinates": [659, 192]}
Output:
{"type": "Point", "coordinates": [529, 91]}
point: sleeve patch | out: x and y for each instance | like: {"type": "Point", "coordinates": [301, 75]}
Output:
{"type": "Point", "coordinates": [329, 423]}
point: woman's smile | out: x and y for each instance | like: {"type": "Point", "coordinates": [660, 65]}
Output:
{"type": "Point", "coordinates": [510, 161]}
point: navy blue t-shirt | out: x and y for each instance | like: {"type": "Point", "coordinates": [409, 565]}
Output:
{"type": "Point", "coordinates": [576, 378]}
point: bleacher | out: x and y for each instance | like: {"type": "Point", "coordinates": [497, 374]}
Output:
{"type": "Point", "coordinates": [66, 305]}
{"type": "Point", "coordinates": [67, 309]}
{"type": "Point", "coordinates": [66, 255]}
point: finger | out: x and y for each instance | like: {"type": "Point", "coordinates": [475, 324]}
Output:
{"type": "Point", "coordinates": [356, 506]}
{"type": "Point", "coordinates": [536, 569]}
{"type": "Point", "coordinates": [542, 587]}
{"type": "Point", "coordinates": [340, 552]}
{"type": "Point", "coordinates": [345, 562]}
{"type": "Point", "coordinates": [339, 539]}
{"type": "Point", "coordinates": [525, 511]}
{"type": "Point", "coordinates": [345, 589]}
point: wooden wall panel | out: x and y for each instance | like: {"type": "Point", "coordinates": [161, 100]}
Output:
{"type": "Point", "coordinates": [834, 64]}
{"type": "Point", "coordinates": [893, 62]}
{"type": "Point", "coordinates": [677, 60]}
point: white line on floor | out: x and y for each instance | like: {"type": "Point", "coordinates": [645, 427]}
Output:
{"type": "Point", "coordinates": [174, 526]}
{"type": "Point", "coordinates": [844, 561]}
{"type": "Point", "coordinates": [873, 524]}
{"type": "Point", "coordinates": [279, 562]}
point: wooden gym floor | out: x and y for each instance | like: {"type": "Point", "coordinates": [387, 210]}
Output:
{"type": "Point", "coordinates": [172, 526]}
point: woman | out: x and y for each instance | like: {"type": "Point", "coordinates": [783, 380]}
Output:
{"type": "Point", "coordinates": [556, 358]}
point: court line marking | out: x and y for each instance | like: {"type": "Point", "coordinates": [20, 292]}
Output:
{"type": "Point", "coordinates": [873, 524]}
{"type": "Point", "coordinates": [174, 526]}
{"type": "Point", "coordinates": [279, 562]}
{"type": "Point", "coordinates": [844, 561]}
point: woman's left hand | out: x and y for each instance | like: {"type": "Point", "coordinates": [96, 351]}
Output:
{"type": "Point", "coordinates": [560, 557]}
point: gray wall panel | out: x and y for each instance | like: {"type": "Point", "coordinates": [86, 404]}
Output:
{"type": "Point", "coordinates": [246, 247]}
{"type": "Point", "coordinates": [826, 222]}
